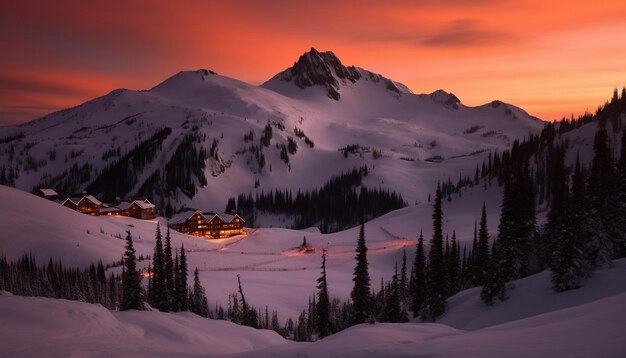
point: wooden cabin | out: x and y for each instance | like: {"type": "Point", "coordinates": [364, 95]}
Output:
{"type": "Point", "coordinates": [49, 194]}
{"type": "Point", "coordinates": [141, 209]}
{"type": "Point", "coordinates": [86, 204]}
{"type": "Point", "coordinates": [208, 224]}
{"type": "Point", "coordinates": [138, 209]}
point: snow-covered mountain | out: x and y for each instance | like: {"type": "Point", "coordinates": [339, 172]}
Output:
{"type": "Point", "coordinates": [320, 103]}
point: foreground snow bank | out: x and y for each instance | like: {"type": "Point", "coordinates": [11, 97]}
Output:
{"type": "Point", "coordinates": [591, 330]}
{"type": "Point", "coordinates": [43, 327]}
{"type": "Point", "coordinates": [532, 296]}
{"type": "Point", "coordinates": [37, 327]}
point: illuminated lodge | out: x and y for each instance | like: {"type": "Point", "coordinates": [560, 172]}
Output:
{"type": "Point", "coordinates": [88, 204]}
{"type": "Point", "coordinates": [208, 224]}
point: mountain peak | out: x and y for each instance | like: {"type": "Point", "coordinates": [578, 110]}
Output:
{"type": "Point", "coordinates": [324, 69]}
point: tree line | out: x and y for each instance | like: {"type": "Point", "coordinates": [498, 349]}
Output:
{"type": "Point", "coordinates": [330, 208]}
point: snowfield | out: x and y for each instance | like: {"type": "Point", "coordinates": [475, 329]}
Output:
{"type": "Point", "coordinates": [588, 322]}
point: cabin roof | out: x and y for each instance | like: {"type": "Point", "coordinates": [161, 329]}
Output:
{"type": "Point", "coordinates": [92, 199]}
{"type": "Point", "coordinates": [48, 192]}
{"type": "Point", "coordinates": [144, 204]}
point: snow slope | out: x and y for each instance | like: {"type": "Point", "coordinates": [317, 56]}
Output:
{"type": "Point", "coordinates": [37, 327]}
{"type": "Point", "coordinates": [372, 111]}
{"type": "Point", "coordinates": [273, 273]}
{"type": "Point", "coordinates": [587, 323]}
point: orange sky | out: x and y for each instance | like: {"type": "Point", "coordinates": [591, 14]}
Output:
{"type": "Point", "coordinates": [553, 58]}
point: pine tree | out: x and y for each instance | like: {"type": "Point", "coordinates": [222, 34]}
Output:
{"type": "Point", "coordinates": [495, 282]}
{"type": "Point", "coordinates": [418, 289]}
{"type": "Point", "coordinates": [360, 295]}
{"type": "Point", "coordinates": [249, 317]}
{"type": "Point", "coordinates": [199, 303]}
{"type": "Point", "coordinates": [158, 296]}
{"type": "Point", "coordinates": [393, 311]}
{"type": "Point", "coordinates": [131, 279]}
{"type": "Point", "coordinates": [602, 205]}
{"type": "Point", "coordinates": [481, 252]}
{"type": "Point", "coordinates": [403, 283]}
{"type": "Point", "coordinates": [569, 264]}
{"type": "Point", "coordinates": [435, 302]}
{"type": "Point", "coordinates": [517, 232]}
{"type": "Point", "coordinates": [621, 168]}
{"type": "Point", "coordinates": [181, 282]}
{"type": "Point", "coordinates": [453, 267]}
{"type": "Point", "coordinates": [169, 271]}
{"type": "Point", "coordinates": [323, 302]}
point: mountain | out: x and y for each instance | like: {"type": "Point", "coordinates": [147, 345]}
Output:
{"type": "Point", "coordinates": [325, 70]}
{"type": "Point", "coordinates": [199, 138]}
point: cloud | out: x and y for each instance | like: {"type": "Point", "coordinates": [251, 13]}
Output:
{"type": "Point", "coordinates": [16, 84]}
{"type": "Point", "coordinates": [466, 33]}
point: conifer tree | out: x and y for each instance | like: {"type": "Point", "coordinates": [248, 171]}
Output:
{"type": "Point", "coordinates": [361, 291]}
{"type": "Point", "coordinates": [181, 282]}
{"type": "Point", "coordinates": [621, 168]}
{"type": "Point", "coordinates": [404, 282]}
{"type": "Point", "coordinates": [435, 302]}
{"type": "Point", "coordinates": [158, 296]}
{"type": "Point", "coordinates": [481, 252]}
{"type": "Point", "coordinates": [393, 311]}
{"type": "Point", "coordinates": [569, 264]}
{"type": "Point", "coordinates": [199, 303]}
{"type": "Point", "coordinates": [323, 302]}
{"type": "Point", "coordinates": [169, 269]}
{"type": "Point", "coordinates": [495, 282]}
{"type": "Point", "coordinates": [418, 289]}
{"type": "Point", "coordinates": [602, 207]}
{"type": "Point", "coordinates": [249, 317]}
{"type": "Point", "coordinates": [453, 268]}
{"type": "Point", "coordinates": [131, 279]}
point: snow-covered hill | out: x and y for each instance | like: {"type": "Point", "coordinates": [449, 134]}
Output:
{"type": "Point", "coordinates": [418, 136]}
{"type": "Point", "coordinates": [587, 323]}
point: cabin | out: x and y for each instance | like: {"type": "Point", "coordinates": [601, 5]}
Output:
{"type": "Point", "coordinates": [49, 194]}
{"type": "Point", "coordinates": [87, 204]}
{"type": "Point", "coordinates": [141, 209]}
{"type": "Point", "coordinates": [138, 209]}
{"type": "Point", "coordinates": [208, 224]}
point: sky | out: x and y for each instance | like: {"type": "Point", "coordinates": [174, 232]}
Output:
{"type": "Point", "coordinates": [552, 58]}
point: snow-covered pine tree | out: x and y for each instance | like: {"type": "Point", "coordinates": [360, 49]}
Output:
{"type": "Point", "coordinates": [198, 304]}
{"type": "Point", "coordinates": [361, 291]}
{"type": "Point", "coordinates": [323, 302]}
{"type": "Point", "coordinates": [418, 274]}
{"type": "Point", "coordinates": [495, 282]}
{"type": "Point", "coordinates": [435, 302]}
{"type": "Point", "coordinates": [132, 295]}
{"type": "Point", "coordinates": [170, 285]}
{"type": "Point", "coordinates": [158, 297]}
{"type": "Point", "coordinates": [602, 203]}
{"type": "Point", "coordinates": [569, 264]}
{"type": "Point", "coordinates": [480, 260]}
{"type": "Point", "coordinates": [181, 282]}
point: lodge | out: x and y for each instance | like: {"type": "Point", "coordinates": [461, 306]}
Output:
{"type": "Point", "coordinates": [194, 222]}
{"type": "Point", "coordinates": [138, 209]}
{"type": "Point", "coordinates": [88, 204]}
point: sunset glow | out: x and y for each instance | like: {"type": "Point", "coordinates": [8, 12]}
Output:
{"type": "Point", "coordinates": [551, 58]}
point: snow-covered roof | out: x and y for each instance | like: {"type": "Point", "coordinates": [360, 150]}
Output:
{"type": "Point", "coordinates": [144, 204]}
{"type": "Point", "coordinates": [109, 209]}
{"type": "Point", "coordinates": [182, 216]}
{"type": "Point", "coordinates": [229, 217]}
{"type": "Point", "coordinates": [92, 199]}
{"type": "Point", "coordinates": [48, 192]}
